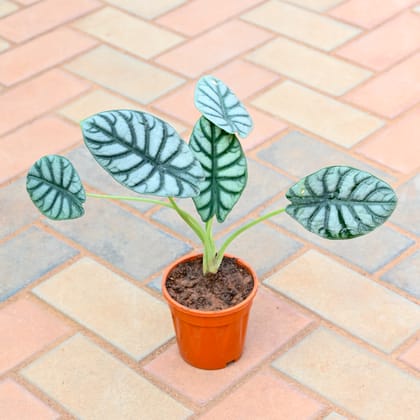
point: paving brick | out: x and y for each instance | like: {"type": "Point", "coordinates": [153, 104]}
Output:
{"type": "Point", "coordinates": [26, 328]}
{"type": "Point", "coordinates": [272, 323]}
{"type": "Point", "coordinates": [376, 244]}
{"type": "Point", "coordinates": [348, 300]}
{"type": "Point", "coordinates": [313, 29]}
{"type": "Point", "coordinates": [335, 416]}
{"type": "Point", "coordinates": [16, 403]}
{"type": "Point", "coordinates": [352, 377]}
{"type": "Point", "coordinates": [369, 13]}
{"type": "Point", "coordinates": [190, 19]}
{"type": "Point", "coordinates": [265, 396]}
{"type": "Point", "coordinates": [265, 127]}
{"type": "Point", "coordinates": [3, 45]}
{"type": "Point", "coordinates": [317, 5]}
{"type": "Point", "coordinates": [333, 120]}
{"type": "Point", "coordinates": [278, 248]}
{"type": "Point", "coordinates": [42, 17]}
{"type": "Point", "coordinates": [92, 384]}
{"type": "Point", "coordinates": [23, 260]}
{"type": "Point", "coordinates": [41, 53]}
{"type": "Point", "coordinates": [7, 7]}
{"type": "Point", "coordinates": [147, 9]}
{"type": "Point", "coordinates": [94, 176]}
{"type": "Point", "coordinates": [400, 85]}
{"type": "Point", "coordinates": [397, 145]}
{"type": "Point", "coordinates": [20, 149]}
{"type": "Point", "coordinates": [309, 66]}
{"type": "Point", "coordinates": [31, 99]}
{"type": "Point", "coordinates": [213, 48]}
{"type": "Point", "coordinates": [412, 355]}
{"type": "Point", "coordinates": [291, 154]}
{"type": "Point", "coordinates": [406, 275]}
{"type": "Point", "coordinates": [14, 214]}
{"type": "Point", "coordinates": [119, 237]}
{"type": "Point", "coordinates": [142, 82]}
{"type": "Point", "coordinates": [263, 184]}
{"type": "Point", "coordinates": [386, 45]}
{"type": "Point", "coordinates": [113, 308]}
{"type": "Point", "coordinates": [125, 31]}
{"type": "Point", "coordinates": [406, 214]}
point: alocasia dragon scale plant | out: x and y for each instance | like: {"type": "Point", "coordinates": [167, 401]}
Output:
{"type": "Point", "coordinates": [146, 155]}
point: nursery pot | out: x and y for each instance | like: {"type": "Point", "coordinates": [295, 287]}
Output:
{"type": "Point", "coordinates": [210, 339]}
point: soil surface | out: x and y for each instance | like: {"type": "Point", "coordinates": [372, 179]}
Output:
{"type": "Point", "coordinates": [211, 292]}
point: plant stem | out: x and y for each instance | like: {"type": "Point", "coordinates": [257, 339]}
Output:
{"type": "Point", "coordinates": [244, 228]}
{"type": "Point", "coordinates": [127, 198]}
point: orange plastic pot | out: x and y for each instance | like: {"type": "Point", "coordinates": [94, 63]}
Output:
{"type": "Point", "coordinates": [210, 339]}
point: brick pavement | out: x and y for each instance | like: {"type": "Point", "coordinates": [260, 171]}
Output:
{"type": "Point", "coordinates": [334, 331]}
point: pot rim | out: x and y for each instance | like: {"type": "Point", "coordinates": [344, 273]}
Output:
{"type": "Point", "coordinates": [208, 314]}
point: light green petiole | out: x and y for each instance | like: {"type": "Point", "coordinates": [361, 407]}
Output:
{"type": "Point", "coordinates": [211, 257]}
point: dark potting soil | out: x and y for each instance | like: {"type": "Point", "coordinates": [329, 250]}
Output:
{"type": "Point", "coordinates": [211, 292]}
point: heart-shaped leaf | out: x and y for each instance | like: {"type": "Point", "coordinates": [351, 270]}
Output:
{"type": "Point", "coordinates": [55, 188]}
{"type": "Point", "coordinates": [340, 202]}
{"type": "Point", "coordinates": [225, 168]}
{"type": "Point", "coordinates": [143, 153]}
{"type": "Point", "coordinates": [221, 106]}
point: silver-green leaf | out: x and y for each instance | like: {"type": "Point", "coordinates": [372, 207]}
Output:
{"type": "Point", "coordinates": [143, 153]}
{"type": "Point", "coordinates": [221, 106]}
{"type": "Point", "coordinates": [225, 168]}
{"type": "Point", "coordinates": [55, 188]}
{"type": "Point", "coordinates": [340, 202]}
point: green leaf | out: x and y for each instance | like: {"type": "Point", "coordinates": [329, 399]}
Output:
{"type": "Point", "coordinates": [225, 168]}
{"type": "Point", "coordinates": [340, 202]}
{"type": "Point", "coordinates": [55, 188]}
{"type": "Point", "coordinates": [221, 106]}
{"type": "Point", "coordinates": [143, 153]}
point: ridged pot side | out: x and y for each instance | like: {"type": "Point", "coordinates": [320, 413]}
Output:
{"type": "Point", "coordinates": [210, 339]}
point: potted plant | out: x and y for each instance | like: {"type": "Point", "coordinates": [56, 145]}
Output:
{"type": "Point", "coordinates": [209, 294]}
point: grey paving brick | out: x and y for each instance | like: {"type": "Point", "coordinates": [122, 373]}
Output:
{"type": "Point", "coordinates": [406, 275]}
{"type": "Point", "coordinates": [123, 239]}
{"type": "Point", "coordinates": [26, 257]}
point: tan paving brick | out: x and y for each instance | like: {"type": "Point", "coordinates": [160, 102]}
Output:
{"type": "Point", "coordinates": [214, 48]}
{"type": "Point", "coordinates": [190, 20]}
{"type": "Point", "coordinates": [25, 328]}
{"type": "Point", "coordinates": [92, 384]}
{"type": "Point", "coordinates": [43, 16]}
{"type": "Point", "coordinates": [272, 323]}
{"type": "Point", "coordinates": [16, 403]}
{"type": "Point", "coordinates": [3, 45]}
{"type": "Point", "coordinates": [127, 32]}
{"type": "Point", "coordinates": [147, 9]}
{"type": "Point", "coordinates": [37, 96]}
{"type": "Point", "coordinates": [351, 377]}
{"type": "Point", "coordinates": [317, 5]}
{"type": "Point", "coordinates": [267, 397]}
{"type": "Point", "coordinates": [42, 53]}
{"type": "Point", "coordinates": [102, 100]}
{"type": "Point", "coordinates": [132, 78]}
{"type": "Point", "coordinates": [397, 145]}
{"type": "Point", "coordinates": [369, 13]}
{"type": "Point", "coordinates": [22, 147]}
{"type": "Point", "coordinates": [386, 45]}
{"type": "Point", "coordinates": [7, 7]}
{"type": "Point", "coordinates": [121, 313]}
{"type": "Point", "coordinates": [333, 120]}
{"type": "Point", "coordinates": [400, 86]}
{"type": "Point", "coordinates": [302, 25]}
{"type": "Point", "coordinates": [412, 355]}
{"type": "Point", "coordinates": [348, 299]}
{"type": "Point", "coordinates": [334, 416]}
{"type": "Point", "coordinates": [306, 65]}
